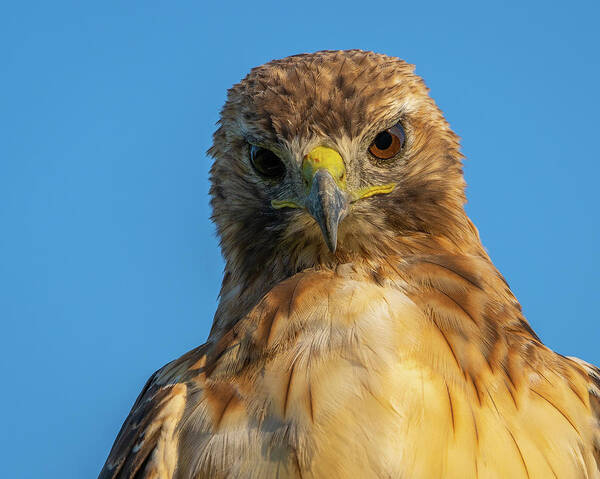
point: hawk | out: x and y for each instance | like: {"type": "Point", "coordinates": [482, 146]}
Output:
{"type": "Point", "coordinates": [362, 329]}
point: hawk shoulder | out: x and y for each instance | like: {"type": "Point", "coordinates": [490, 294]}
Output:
{"type": "Point", "coordinates": [147, 445]}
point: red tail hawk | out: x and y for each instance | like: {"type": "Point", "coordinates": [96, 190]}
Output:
{"type": "Point", "coordinates": [362, 330]}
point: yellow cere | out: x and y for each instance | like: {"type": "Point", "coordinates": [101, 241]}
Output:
{"type": "Point", "coordinates": [324, 158]}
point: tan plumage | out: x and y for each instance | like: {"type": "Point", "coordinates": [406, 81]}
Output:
{"type": "Point", "coordinates": [402, 354]}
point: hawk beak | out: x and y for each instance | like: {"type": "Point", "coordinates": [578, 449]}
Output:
{"type": "Point", "coordinates": [324, 173]}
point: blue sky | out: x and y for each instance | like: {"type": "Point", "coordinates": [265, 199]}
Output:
{"type": "Point", "coordinates": [109, 266]}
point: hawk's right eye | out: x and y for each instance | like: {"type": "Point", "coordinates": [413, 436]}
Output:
{"type": "Point", "coordinates": [388, 143]}
{"type": "Point", "coordinates": [266, 163]}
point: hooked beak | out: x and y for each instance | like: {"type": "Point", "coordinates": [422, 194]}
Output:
{"type": "Point", "coordinates": [328, 205]}
{"type": "Point", "coordinates": [327, 198]}
{"type": "Point", "coordinates": [324, 174]}
{"type": "Point", "coordinates": [327, 202]}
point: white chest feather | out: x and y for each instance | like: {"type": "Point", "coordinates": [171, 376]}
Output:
{"type": "Point", "coordinates": [358, 382]}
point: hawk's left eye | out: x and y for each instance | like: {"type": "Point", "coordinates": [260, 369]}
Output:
{"type": "Point", "coordinates": [266, 163]}
{"type": "Point", "coordinates": [388, 142]}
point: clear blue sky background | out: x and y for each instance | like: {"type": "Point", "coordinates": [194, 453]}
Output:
{"type": "Point", "coordinates": [109, 266]}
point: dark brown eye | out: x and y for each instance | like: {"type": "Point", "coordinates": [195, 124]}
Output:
{"type": "Point", "coordinates": [388, 143]}
{"type": "Point", "coordinates": [266, 163]}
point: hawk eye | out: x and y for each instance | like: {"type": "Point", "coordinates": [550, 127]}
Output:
{"type": "Point", "coordinates": [388, 143]}
{"type": "Point", "coordinates": [266, 163]}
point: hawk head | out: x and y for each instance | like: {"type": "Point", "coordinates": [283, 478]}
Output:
{"type": "Point", "coordinates": [324, 158]}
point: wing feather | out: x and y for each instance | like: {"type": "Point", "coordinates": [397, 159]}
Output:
{"type": "Point", "coordinates": [593, 374]}
{"type": "Point", "coordinates": [147, 444]}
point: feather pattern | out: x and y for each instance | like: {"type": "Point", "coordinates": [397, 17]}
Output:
{"type": "Point", "coordinates": [404, 354]}
{"type": "Point", "coordinates": [332, 375]}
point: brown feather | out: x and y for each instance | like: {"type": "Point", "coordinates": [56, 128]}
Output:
{"type": "Point", "coordinates": [402, 354]}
